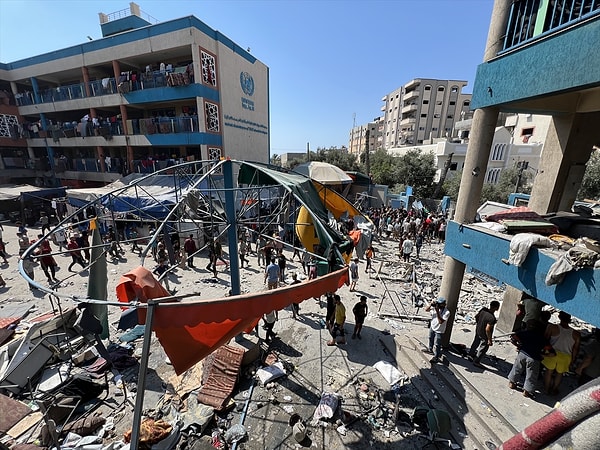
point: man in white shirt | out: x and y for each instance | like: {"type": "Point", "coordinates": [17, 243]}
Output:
{"type": "Point", "coordinates": [439, 320]}
{"type": "Point", "coordinates": [407, 248]}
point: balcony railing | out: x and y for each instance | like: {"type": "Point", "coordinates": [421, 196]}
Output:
{"type": "Point", "coordinates": [79, 164]}
{"type": "Point", "coordinates": [108, 129]}
{"type": "Point", "coordinates": [108, 86]}
{"type": "Point", "coordinates": [530, 20]}
{"type": "Point", "coordinates": [410, 95]}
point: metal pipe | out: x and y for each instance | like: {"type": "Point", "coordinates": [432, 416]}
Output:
{"type": "Point", "coordinates": [141, 385]}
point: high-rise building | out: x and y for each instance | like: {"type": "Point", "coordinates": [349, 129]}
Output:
{"type": "Point", "coordinates": [366, 136]}
{"type": "Point", "coordinates": [144, 96]}
{"type": "Point", "coordinates": [422, 110]}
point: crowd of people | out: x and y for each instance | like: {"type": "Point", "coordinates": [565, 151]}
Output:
{"type": "Point", "coordinates": [545, 351]}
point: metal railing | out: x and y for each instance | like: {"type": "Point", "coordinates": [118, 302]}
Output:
{"type": "Point", "coordinates": [530, 20]}
{"type": "Point", "coordinates": [105, 86]}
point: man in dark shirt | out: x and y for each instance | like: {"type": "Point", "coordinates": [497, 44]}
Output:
{"type": "Point", "coordinates": [483, 333]}
{"type": "Point", "coordinates": [530, 343]}
{"type": "Point", "coordinates": [360, 311]}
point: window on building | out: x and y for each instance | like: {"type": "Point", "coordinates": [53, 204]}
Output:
{"type": "Point", "coordinates": [498, 152]}
{"type": "Point", "coordinates": [439, 102]}
{"type": "Point", "coordinates": [493, 176]}
{"type": "Point", "coordinates": [426, 102]}
{"type": "Point", "coordinates": [427, 88]}
{"type": "Point", "coordinates": [452, 103]}
{"type": "Point", "coordinates": [436, 116]}
{"type": "Point", "coordinates": [466, 103]}
{"type": "Point", "coordinates": [211, 111]}
{"type": "Point", "coordinates": [421, 128]}
{"type": "Point", "coordinates": [454, 89]}
{"type": "Point", "coordinates": [453, 166]}
{"type": "Point", "coordinates": [527, 132]}
{"type": "Point", "coordinates": [209, 69]}
{"type": "Point", "coordinates": [423, 115]}
{"type": "Point", "coordinates": [450, 116]}
{"type": "Point", "coordinates": [434, 129]}
{"type": "Point", "coordinates": [441, 88]}
{"type": "Point", "coordinates": [8, 124]}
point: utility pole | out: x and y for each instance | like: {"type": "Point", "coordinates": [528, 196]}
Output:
{"type": "Point", "coordinates": [445, 170]}
{"type": "Point", "coordinates": [521, 165]}
{"type": "Point", "coordinates": [308, 152]}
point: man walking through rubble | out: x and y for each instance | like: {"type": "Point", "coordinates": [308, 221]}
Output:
{"type": "Point", "coordinates": [272, 275]}
{"type": "Point", "coordinates": [437, 327]}
{"type": "Point", "coordinates": [190, 248]}
{"type": "Point", "coordinates": [484, 330]}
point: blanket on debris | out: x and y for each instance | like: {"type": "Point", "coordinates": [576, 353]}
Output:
{"type": "Point", "coordinates": [221, 370]}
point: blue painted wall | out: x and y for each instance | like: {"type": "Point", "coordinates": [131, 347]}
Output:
{"type": "Point", "coordinates": [125, 24]}
{"type": "Point", "coordinates": [564, 61]}
{"type": "Point", "coordinates": [191, 91]}
{"type": "Point", "coordinates": [132, 36]}
{"type": "Point", "coordinates": [182, 139]}
{"type": "Point", "coordinates": [578, 294]}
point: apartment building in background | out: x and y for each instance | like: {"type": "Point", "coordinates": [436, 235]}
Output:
{"type": "Point", "coordinates": [422, 110]}
{"type": "Point", "coordinates": [144, 96]}
{"type": "Point", "coordinates": [518, 142]}
{"type": "Point", "coordinates": [366, 136]}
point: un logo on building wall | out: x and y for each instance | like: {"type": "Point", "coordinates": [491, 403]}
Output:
{"type": "Point", "coordinates": [247, 83]}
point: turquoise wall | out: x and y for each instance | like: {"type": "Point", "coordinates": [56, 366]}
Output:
{"type": "Point", "coordinates": [578, 294]}
{"type": "Point", "coordinates": [564, 61]}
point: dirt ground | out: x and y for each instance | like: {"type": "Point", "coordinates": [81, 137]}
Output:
{"type": "Point", "coordinates": [366, 418]}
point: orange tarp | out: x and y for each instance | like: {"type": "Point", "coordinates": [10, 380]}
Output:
{"type": "Point", "coordinates": [191, 330]}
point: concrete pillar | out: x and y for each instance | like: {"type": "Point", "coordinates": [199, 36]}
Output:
{"type": "Point", "coordinates": [100, 156]}
{"type": "Point", "coordinates": [134, 8]}
{"type": "Point", "coordinates": [14, 88]}
{"type": "Point", "coordinates": [478, 152]}
{"type": "Point", "coordinates": [508, 311]}
{"type": "Point", "coordinates": [86, 81]}
{"type": "Point", "coordinates": [116, 69]}
{"type": "Point", "coordinates": [567, 150]}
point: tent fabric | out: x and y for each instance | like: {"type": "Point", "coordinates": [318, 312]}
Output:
{"type": "Point", "coordinates": [150, 196]}
{"type": "Point", "coordinates": [359, 179]}
{"type": "Point", "coordinates": [323, 172]}
{"type": "Point", "coordinates": [98, 280]}
{"type": "Point", "coordinates": [10, 192]}
{"type": "Point", "coordinates": [302, 188]}
{"type": "Point", "coordinates": [190, 331]}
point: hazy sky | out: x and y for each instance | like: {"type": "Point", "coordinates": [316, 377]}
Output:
{"type": "Point", "coordinates": [328, 60]}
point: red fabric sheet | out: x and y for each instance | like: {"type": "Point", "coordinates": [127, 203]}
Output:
{"type": "Point", "coordinates": [189, 331]}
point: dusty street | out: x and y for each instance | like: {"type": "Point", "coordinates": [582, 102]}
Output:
{"type": "Point", "coordinates": [366, 418]}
